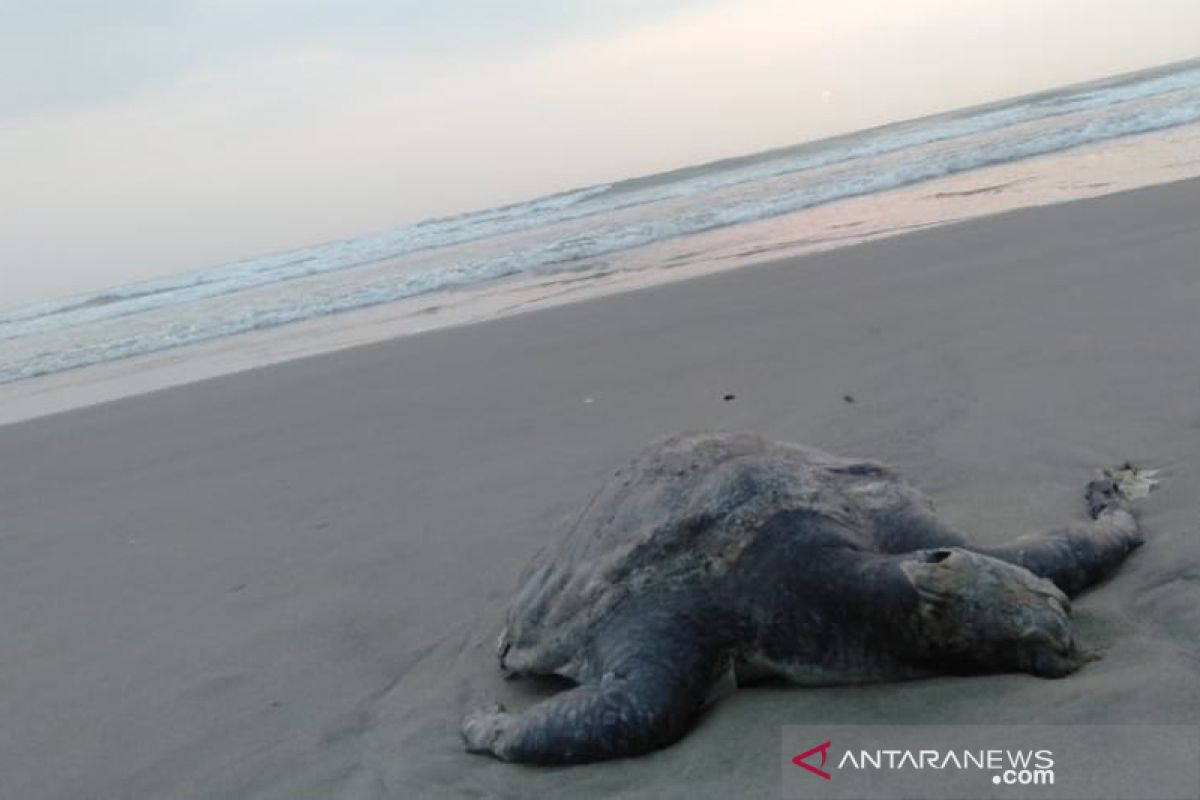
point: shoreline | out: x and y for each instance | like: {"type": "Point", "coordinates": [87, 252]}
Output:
{"type": "Point", "coordinates": [1125, 164]}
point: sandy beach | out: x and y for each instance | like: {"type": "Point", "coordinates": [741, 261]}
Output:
{"type": "Point", "coordinates": [287, 583]}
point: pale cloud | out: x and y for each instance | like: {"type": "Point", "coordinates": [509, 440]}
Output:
{"type": "Point", "coordinates": [302, 130]}
{"type": "Point", "coordinates": [61, 54]}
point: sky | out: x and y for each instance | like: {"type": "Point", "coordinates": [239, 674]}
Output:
{"type": "Point", "coordinates": [139, 138]}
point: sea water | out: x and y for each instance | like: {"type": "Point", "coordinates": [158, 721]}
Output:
{"type": "Point", "coordinates": [600, 233]}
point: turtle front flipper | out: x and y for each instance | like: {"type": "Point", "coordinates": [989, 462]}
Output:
{"type": "Point", "coordinates": [1116, 489]}
{"type": "Point", "coordinates": [650, 692]}
{"type": "Point", "coordinates": [1079, 554]}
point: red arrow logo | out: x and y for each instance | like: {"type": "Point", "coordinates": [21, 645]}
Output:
{"type": "Point", "coordinates": [823, 749]}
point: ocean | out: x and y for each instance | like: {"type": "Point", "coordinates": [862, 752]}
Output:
{"type": "Point", "coordinates": [645, 223]}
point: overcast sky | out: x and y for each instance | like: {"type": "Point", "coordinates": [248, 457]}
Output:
{"type": "Point", "coordinates": [144, 137]}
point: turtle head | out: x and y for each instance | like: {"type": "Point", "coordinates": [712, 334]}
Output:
{"type": "Point", "coordinates": [978, 613]}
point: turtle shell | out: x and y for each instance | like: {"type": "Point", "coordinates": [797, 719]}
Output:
{"type": "Point", "coordinates": [675, 519]}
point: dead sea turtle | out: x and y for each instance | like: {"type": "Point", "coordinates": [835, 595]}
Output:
{"type": "Point", "coordinates": [714, 556]}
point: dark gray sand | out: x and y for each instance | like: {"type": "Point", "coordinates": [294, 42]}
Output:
{"type": "Point", "coordinates": [287, 583]}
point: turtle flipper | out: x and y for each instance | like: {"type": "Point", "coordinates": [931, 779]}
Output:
{"type": "Point", "coordinates": [1118, 489]}
{"type": "Point", "coordinates": [1077, 555]}
{"type": "Point", "coordinates": [649, 695]}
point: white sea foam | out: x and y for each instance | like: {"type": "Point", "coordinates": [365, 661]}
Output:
{"type": "Point", "coordinates": [569, 231]}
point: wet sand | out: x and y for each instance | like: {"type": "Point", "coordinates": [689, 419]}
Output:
{"type": "Point", "coordinates": [287, 582]}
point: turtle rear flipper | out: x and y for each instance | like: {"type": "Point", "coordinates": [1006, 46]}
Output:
{"type": "Point", "coordinates": [653, 686]}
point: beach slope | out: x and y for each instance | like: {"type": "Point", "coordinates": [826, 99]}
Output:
{"type": "Point", "coordinates": [287, 583]}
